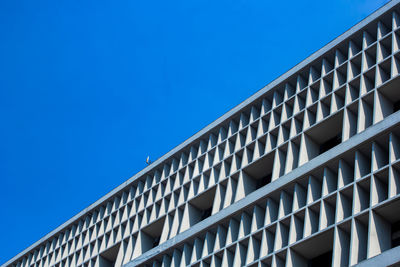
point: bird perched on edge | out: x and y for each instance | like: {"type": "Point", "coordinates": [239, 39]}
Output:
{"type": "Point", "coordinates": [148, 162]}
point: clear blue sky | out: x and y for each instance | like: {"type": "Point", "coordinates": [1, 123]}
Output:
{"type": "Point", "coordinates": [88, 89]}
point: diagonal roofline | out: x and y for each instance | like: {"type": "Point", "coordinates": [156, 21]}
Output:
{"type": "Point", "coordinates": [319, 53]}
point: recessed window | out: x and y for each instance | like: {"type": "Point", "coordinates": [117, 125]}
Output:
{"type": "Point", "coordinates": [151, 234]}
{"type": "Point", "coordinates": [328, 144]}
{"type": "Point", "coordinates": [321, 260]}
{"type": "Point", "coordinates": [206, 213]}
{"type": "Point", "coordinates": [202, 205]}
{"type": "Point", "coordinates": [156, 241]}
{"type": "Point", "coordinates": [396, 106]}
{"type": "Point", "coordinates": [108, 257]}
{"type": "Point", "coordinates": [321, 138]}
{"type": "Point", "coordinates": [263, 181]}
{"type": "Point", "coordinates": [396, 234]}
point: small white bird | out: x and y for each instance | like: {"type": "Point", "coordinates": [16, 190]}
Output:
{"type": "Point", "coordinates": [148, 160]}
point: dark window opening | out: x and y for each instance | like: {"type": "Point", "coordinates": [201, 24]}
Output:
{"type": "Point", "coordinates": [396, 106]}
{"type": "Point", "coordinates": [108, 257]}
{"type": "Point", "coordinates": [396, 234]}
{"type": "Point", "coordinates": [151, 234]}
{"type": "Point", "coordinates": [330, 144]}
{"type": "Point", "coordinates": [103, 262]}
{"type": "Point", "coordinates": [321, 260]}
{"type": "Point", "coordinates": [263, 181]}
{"type": "Point", "coordinates": [200, 207]}
{"type": "Point", "coordinates": [206, 213]}
{"type": "Point", "coordinates": [156, 241]}
{"type": "Point", "coordinates": [149, 241]}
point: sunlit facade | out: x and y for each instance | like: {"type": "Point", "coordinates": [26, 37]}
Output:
{"type": "Point", "coordinates": [306, 172]}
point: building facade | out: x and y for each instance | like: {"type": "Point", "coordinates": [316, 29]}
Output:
{"type": "Point", "coordinates": [306, 172]}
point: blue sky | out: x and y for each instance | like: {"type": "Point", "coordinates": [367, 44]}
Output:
{"type": "Point", "coordinates": [89, 89]}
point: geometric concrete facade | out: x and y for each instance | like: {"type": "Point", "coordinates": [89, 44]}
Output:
{"type": "Point", "coordinates": [306, 172]}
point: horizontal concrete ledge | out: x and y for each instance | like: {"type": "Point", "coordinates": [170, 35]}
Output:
{"type": "Point", "coordinates": [386, 258]}
{"type": "Point", "coordinates": [211, 126]}
{"type": "Point", "coordinates": [263, 192]}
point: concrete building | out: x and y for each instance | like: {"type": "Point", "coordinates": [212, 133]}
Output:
{"type": "Point", "coordinates": [306, 172]}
